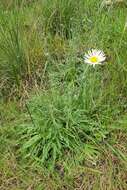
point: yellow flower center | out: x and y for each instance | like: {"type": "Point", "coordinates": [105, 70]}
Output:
{"type": "Point", "coordinates": [93, 59]}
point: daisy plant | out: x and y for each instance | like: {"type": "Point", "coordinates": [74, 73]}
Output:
{"type": "Point", "coordinates": [90, 83]}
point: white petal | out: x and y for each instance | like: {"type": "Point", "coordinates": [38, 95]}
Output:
{"type": "Point", "coordinates": [87, 61]}
{"type": "Point", "coordinates": [102, 58]}
{"type": "Point", "coordinates": [86, 56]}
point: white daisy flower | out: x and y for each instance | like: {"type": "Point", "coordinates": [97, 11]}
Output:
{"type": "Point", "coordinates": [94, 57]}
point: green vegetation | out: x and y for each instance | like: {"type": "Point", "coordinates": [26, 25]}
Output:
{"type": "Point", "coordinates": [63, 122]}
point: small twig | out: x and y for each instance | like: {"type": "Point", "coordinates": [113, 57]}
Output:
{"type": "Point", "coordinates": [28, 110]}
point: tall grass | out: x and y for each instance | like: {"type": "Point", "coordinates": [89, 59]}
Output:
{"type": "Point", "coordinates": [42, 32]}
{"type": "Point", "coordinates": [13, 63]}
{"type": "Point", "coordinates": [21, 53]}
{"type": "Point", "coordinates": [27, 37]}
